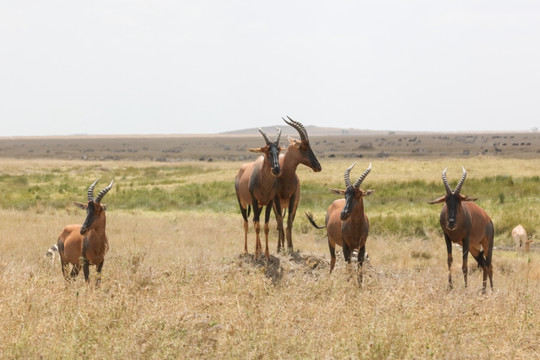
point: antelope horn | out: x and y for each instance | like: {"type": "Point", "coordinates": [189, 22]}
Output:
{"type": "Point", "coordinates": [362, 177]}
{"type": "Point", "coordinates": [103, 192]}
{"type": "Point", "coordinates": [265, 136]}
{"type": "Point", "coordinates": [90, 191]}
{"type": "Point", "coordinates": [347, 172]}
{"type": "Point", "coordinates": [298, 126]}
{"type": "Point", "coordinates": [445, 181]}
{"type": "Point", "coordinates": [460, 183]}
{"type": "Point", "coordinates": [278, 136]}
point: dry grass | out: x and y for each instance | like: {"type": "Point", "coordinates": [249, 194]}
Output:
{"type": "Point", "coordinates": [176, 285]}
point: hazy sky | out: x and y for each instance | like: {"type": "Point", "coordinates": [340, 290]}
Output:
{"type": "Point", "coordinates": [181, 67]}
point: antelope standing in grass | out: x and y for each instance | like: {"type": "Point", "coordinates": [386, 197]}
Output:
{"type": "Point", "coordinates": [87, 243]}
{"type": "Point", "coordinates": [520, 238]}
{"type": "Point", "coordinates": [255, 186]}
{"type": "Point", "coordinates": [468, 225]}
{"type": "Point", "coordinates": [346, 223]}
{"type": "Point", "coordinates": [288, 184]}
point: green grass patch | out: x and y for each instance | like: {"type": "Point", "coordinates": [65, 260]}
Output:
{"type": "Point", "coordinates": [396, 208]}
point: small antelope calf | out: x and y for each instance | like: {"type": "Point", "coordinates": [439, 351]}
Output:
{"type": "Point", "coordinates": [87, 243]}
{"type": "Point", "coordinates": [346, 223]}
{"type": "Point", "coordinates": [520, 238]}
{"type": "Point", "coordinates": [468, 225]}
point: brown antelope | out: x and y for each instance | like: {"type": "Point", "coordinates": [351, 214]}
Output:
{"type": "Point", "coordinates": [346, 223]}
{"type": "Point", "coordinates": [520, 238]}
{"type": "Point", "coordinates": [87, 243]}
{"type": "Point", "coordinates": [288, 184]}
{"type": "Point", "coordinates": [255, 186]}
{"type": "Point", "coordinates": [468, 225]}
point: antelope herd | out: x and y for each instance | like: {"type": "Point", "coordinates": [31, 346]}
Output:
{"type": "Point", "coordinates": [271, 181]}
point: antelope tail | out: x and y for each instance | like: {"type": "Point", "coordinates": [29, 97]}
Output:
{"type": "Point", "coordinates": [312, 221]}
{"type": "Point", "coordinates": [52, 250]}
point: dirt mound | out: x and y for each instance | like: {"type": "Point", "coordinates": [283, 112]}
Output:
{"type": "Point", "coordinates": [280, 264]}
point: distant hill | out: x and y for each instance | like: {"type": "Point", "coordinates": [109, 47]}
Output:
{"type": "Point", "coordinates": [311, 130]}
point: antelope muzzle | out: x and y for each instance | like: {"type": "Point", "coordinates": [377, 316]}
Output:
{"type": "Point", "coordinates": [344, 216]}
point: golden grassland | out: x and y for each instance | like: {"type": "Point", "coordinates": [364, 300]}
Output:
{"type": "Point", "coordinates": [176, 284]}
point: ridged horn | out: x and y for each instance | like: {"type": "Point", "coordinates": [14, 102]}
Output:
{"type": "Point", "coordinates": [460, 183]}
{"type": "Point", "coordinates": [265, 136]}
{"type": "Point", "coordinates": [347, 172]}
{"type": "Point", "coordinates": [103, 192]}
{"type": "Point", "coordinates": [278, 136]}
{"type": "Point", "coordinates": [298, 126]}
{"type": "Point", "coordinates": [362, 177]}
{"type": "Point", "coordinates": [445, 182]}
{"type": "Point", "coordinates": [90, 191]}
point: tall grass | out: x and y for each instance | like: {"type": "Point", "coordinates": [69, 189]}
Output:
{"type": "Point", "coordinates": [175, 285]}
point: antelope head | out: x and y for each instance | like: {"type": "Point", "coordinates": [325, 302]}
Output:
{"type": "Point", "coordinates": [307, 157]}
{"type": "Point", "coordinates": [271, 151]}
{"type": "Point", "coordinates": [94, 208]}
{"type": "Point", "coordinates": [453, 199]}
{"type": "Point", "coordinates": [353, 194]}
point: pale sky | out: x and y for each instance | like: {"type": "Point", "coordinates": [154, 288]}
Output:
{"type": "Point", "coordinates": [196, 67]}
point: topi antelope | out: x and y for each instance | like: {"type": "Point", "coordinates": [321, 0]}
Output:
{"type": "Point", "coordinates": [87, 243]}
{"type": "Point", "coordinates": [255, 186]}
{"type": "Point", "coordinates": [468, 225]}
{"type": "Point", "coordinates": [346, 223]}
{"type": "Point", "coordinates": [288, 184]}
{"type": "Point", "coordinates": [520, 238]}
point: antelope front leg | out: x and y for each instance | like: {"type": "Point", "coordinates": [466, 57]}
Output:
{"type": "Point", "coordinates": [267, 228]}
{"type": "Point", "coordinates": [86, 269]}
{"type": "Point", "coordinates": [257, 226]}
{"type": "Point", "coordinates": [449, 260]}
{"type": "Point", "coordinates": [361, 258]}
{"type": "Point", "coordinates": [245, 217]}
{"type": "Point", "coordinates": [290, 220]}
{"type": "Point", "coordinates": [464, 266]}
{"type": "Point", "coordinates": [99, 267]}
{"type": "Point", "coordinates": [279, 219]}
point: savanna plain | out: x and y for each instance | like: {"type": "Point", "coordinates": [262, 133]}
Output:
{"type": "Point", "coordinates": [176, 283]}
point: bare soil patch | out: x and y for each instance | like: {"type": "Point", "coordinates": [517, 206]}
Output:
{"type": "Point", "coordinates": [234, 148]}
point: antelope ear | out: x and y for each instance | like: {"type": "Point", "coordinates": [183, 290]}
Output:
{"type": "Point", "coordinates": [467, 198]}
{"type": "Point", "coordinates": [369, 192]}
{"type": "Point", "coordinates": [337, 191]}
{"type": "Point", "coordinates": [104, 207]}
{"type": "Point", "coordinates": [438, 201]}
{"type": "Point", "coordinates": [295, 142]}
{"type": "Point", "coordinates": [80, 205]}
{"type": "Point", "coordinates": [257, 150]}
